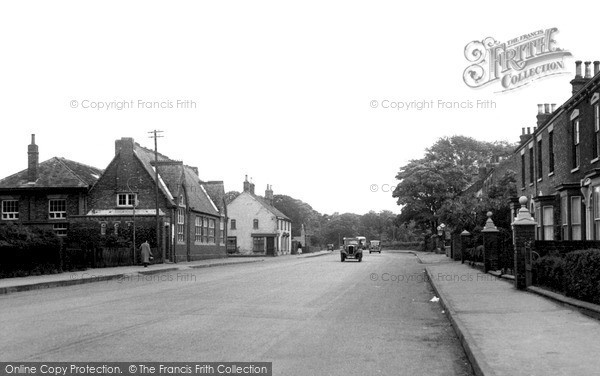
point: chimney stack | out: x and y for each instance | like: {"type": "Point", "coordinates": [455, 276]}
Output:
{"type": "Point", "coordinates": [32, 160]}
{"type": "Point", "coordinates": [578, 82]}
{"type": "Point", "coordinates": [588, 69]}
{"type": "Point", "coordinates": [524, 136]}
{"type": "Point", "coordinates": [596, 67]}
{"type": "Point", "coordinates": [269, 194]}
{"type": "Point", "coordinates": [543, 114]}
{"type": "Point", "coordinates": [124, 146]}
{"type": "Point", "coordinates": [246, 184]}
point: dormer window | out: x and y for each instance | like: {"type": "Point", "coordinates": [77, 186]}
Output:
{"type": "Point", "coordinates": [181, 200]}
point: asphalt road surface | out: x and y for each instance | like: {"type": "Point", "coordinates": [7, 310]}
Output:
{"type": "Point", "coordinates": [309, 316]}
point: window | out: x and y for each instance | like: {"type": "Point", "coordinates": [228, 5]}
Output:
{"type": "Point", "coordinates": [57, 209]}
{"type": "Point", "coordinates": [205, 230]}
{"type": "Point", "coordinates": [538, 233]}
{"type": "Point", "coordinates": [126, 199]}
{"type": "Point", "coordinates": [550, 152]}
{"type": "Point", "coordinates": [531, 165]}
{"type": "Point", "coordinates": [539, 159]}
{"type": "Point", "coordinates": [180, 224]}
{"type": "Point", "coordinates": [198, 229]}
{"type": "Point", "coordinates": [10, 209]}
{"type": "Point", "coordinates": [596, 203]}
{"type": "Point", "coordinates": [211, 230]}
{"type": "Point", "coordinates": [576, 218]}
{"type": "Point", "coordinates": [575, 145]}
{"type": "Point", "coordinates": [523, 170]}
{"type": "Point", "coordinates": [222, 231]}
{"type": "Point", "coordinates": [548, 222]}
{"type": "Point", "coordinates": [60, 229]}
{"type": "Point", "coordinates": [564, 210]}
{"type": "Point", "coordinates": [233, 224]}
{"type": "Point", "coordinates": [258, 244]}
{"type": "Point", "coordinates": [255, 225]}
{"type": "Point", "coordinates": [596, 140]}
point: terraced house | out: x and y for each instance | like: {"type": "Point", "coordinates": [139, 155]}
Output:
{"type": "Point", "coordinates": [46, 194]}
{"type": "Point", "coordinates": [558, 163]}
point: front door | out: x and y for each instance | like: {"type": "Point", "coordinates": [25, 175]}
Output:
{"type": "Point", "coordinates": [270, 246]}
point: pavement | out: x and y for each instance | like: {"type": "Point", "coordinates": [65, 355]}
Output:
{"type": "Point", "coordinates": [17, 284]}
{"type": "Point", "coordinates": [505, 331]}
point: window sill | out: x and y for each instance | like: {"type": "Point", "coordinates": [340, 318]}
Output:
{"type": "Point", "coordinates": [522, 188]}
{"type": "Point", "coordinates": [551, 174]}
{"type": "Point", "coordinates": [531, 184]}
{"type": "Point", "coordinates": [575, 169]}
{"type": "Point", "coordinates": [539, 180]}
{"type": "Point", "coordinates": [595, 160]}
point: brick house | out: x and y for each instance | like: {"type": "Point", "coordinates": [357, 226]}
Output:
{"type": "Point", "coordinates": [190, 223]}
{"type": "Point", "coordinates": [558, 166]}
{"type": "Point", "coordinates": [256, 226]}
{"type": "Point", "coordinates": [46, 194]}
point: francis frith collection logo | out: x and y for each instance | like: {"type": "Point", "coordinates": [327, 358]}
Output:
{"type": "Point", "coordinates": [515, 63]}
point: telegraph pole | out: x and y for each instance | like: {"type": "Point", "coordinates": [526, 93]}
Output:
{"type": "Point", "coordinates": [156, 137]}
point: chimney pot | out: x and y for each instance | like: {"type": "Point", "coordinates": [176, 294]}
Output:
{"type": "Point", "coordinates": [523, 130]}
{"type": "Point", "coordinates": [547, 108]}
{"type": "Point", "coordinates": [578, 69]}
{"type": "Point", "coordinates": [596, 67]}
{"type": "Point", "coordinates": [540, 108]}
{"type": "Point", "coordinates": [528, 130]}
{"type": "Point", "coordinates": [588, 70]}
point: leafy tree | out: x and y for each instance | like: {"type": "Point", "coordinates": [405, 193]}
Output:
{"type": "Point", "coordinates": [429, 187]}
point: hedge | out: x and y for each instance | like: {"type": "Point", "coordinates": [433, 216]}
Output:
{"type": "Point", "coordinates": [28, 251]}
{"type": "Point", "coordinates": [577, 274]}
{"type": "Point", "coordinates": [582, 275]}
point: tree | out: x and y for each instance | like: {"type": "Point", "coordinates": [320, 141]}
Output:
{"type": "Point", "coordinates": [429, 186]}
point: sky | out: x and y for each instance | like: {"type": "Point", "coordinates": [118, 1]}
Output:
{"type": "Point", "coordinates": [291, 94]}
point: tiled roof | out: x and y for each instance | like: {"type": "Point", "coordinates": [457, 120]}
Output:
{"type": "Point", "coordinates": [55, 173]}
{"type": "Point", "coordinates": [198, 198]}
{"type": "Point", "coordinates": [269, 207]}
{"type": "Point", "coordinates": [216, 191]}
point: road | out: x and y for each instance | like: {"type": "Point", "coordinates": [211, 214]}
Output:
{"type": "Point", "coordinates": [309, 316]}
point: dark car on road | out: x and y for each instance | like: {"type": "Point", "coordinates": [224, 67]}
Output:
{"type": "Point", "coordinates": [352, 248]}
{"type": "Point", "coordinates": [375, 246]}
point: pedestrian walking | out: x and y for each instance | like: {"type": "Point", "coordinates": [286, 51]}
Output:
{"type": "Point", "coordinates": [299, 248]}
{"type": "Point", "coordinates": [146, 253]}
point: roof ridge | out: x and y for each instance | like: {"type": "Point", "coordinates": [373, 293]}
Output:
{"type": "Point", "coordinates": [82, 164]}
{"type": "Point", "coordinates": [71, 170]}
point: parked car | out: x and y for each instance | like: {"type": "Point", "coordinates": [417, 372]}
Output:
{"type": "Point", "coordinates": [330, 247]}
{"type": "Point", "coordinates": [375, 246]}
{"type": "Point", "coordinates": [353, 248]}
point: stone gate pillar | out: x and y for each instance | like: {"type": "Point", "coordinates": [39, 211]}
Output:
{"type": "Point", "coordinates": [490, 245]}
{"type": "Point", "coordinates": [464, 239]}
{"type": "Point", "coordinates": [523, 233]}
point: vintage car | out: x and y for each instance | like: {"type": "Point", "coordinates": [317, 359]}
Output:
{"type": "Point", "coordinates": [330, 247]}
{"type": "Point", "coordinates": [353, 248]}
{"type": "Point", "coordinates": [375, 246]}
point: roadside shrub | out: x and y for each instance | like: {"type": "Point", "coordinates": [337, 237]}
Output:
{"type": "Point", "coordinates": [582, 275]}
{"type": "Point", "coordinates": [549, 271]}
{"type": "Point", "coordinates": [28, 251]}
